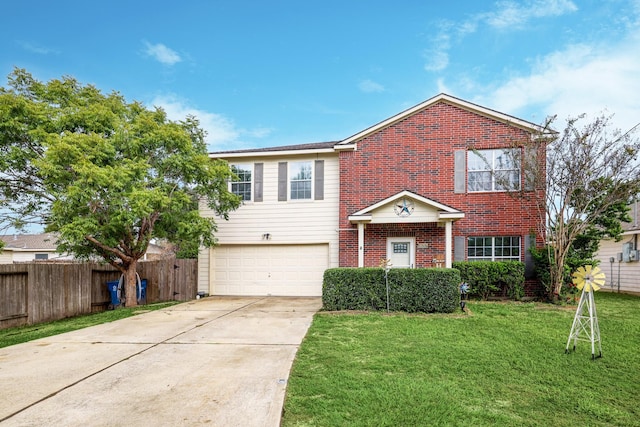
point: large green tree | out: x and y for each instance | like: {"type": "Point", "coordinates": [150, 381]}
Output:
{"type": "Point", "coordinates": [105, 175]}
{"type": "Point", "coordinates": [584, 177]}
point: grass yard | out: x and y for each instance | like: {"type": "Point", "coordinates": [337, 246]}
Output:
{"type": "Point", "coordinates": [503, 364]}
{"type": "Point", "coordinates": [22, 334]}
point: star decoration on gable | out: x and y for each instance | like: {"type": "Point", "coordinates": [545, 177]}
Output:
{"type": "Point", "coordinates": [404, 208]}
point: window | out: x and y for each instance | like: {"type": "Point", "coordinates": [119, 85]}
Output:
{"type": "Point", "coordinates": [493, 248]}
{"type": "Point", "coordinates": [41, 256]}
{"type": "Point", "coordinates": [301, 178]}
{"type": "Point", "coordinates": [400, 248]}
{"type": "Point", "coordinates": [493, 170]}
{"type": "Point", "coordinates": [242, 184]}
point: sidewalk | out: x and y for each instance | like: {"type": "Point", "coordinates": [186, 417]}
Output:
{"type": "Point", "coordinates": [219, 361]}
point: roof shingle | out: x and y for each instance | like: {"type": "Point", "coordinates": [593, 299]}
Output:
{"type": "Point", "coordinates": [44, 241]}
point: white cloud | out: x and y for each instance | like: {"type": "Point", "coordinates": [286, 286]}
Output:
{"type": "Point", "coordinates": [37, 48]}
{"type": "Point", "coordinates": [162, 53]}
{"type": "Point", "coordinates": [437, 59]}
{"type": "Point", "coordinates": [369, 86]}
{"type": "Point", "coordinates": [437, 56]}
{"type": "Point", "coordinates": [578, 79]}
{"type": "Point", "coordinates": [222, 132]}
{"type": "Point", "coordinates": [443, 88]}
{"type": "Point", "coordinates": [261, 132]}
{"type": "Point", "coordinates": [508, 15]}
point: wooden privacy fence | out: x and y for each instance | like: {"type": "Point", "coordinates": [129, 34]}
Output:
{"type": "Point", "coordinates": [38, 291]}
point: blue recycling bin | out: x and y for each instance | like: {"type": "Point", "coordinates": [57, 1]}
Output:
{"type": "Point", "coordinates": [115, 291]}
{"type": "Point", "coordinates": [141, 290]}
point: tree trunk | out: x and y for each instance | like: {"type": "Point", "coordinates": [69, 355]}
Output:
{"type": "Point", "coordinates": [131, 295]}
{"type": "Point", "coordinates": [556, 289]}
{"type": "Point", "coordinates": [557, 274]}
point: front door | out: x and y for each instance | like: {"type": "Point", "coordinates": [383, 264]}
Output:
{"type": "Point", "coordinates": [401, 252]}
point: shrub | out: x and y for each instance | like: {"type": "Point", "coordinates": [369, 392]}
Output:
{"type": "Point", "coordinates": [353, 289]}
{"type": "Point", "coordinates": [489, 277]}
{"type": "Point", "coordinates": [412, 290]}
{"type": "Point", "coordinates": [544, 256]}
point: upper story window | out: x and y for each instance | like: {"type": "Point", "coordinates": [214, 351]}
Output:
{"type": "Point", "coordinates": [241, 186]}
{"type": "Point", "coordinates": [493, 248]}
{"type": "Point", "coordinates": [301, 178]}
{"type": "Point", "coordinates": [492, 170]}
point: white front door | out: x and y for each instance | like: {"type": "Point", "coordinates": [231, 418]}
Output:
{"type": "Point", "coordinates": [401, 252]}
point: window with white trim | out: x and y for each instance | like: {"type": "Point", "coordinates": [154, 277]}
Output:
{"type": "Point", "coordinates": [505, 248]}
{"type": "Point", "coordinates": [300, 184]}
{"type": "Point", "coordinates": [492, 170]}
{"type": "Point", "coordinates": [241, 186]}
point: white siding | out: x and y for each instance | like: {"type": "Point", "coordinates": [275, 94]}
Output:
{"type": "Point", "coordinates": [422, 213]}
{"type": "Point", "coordinates": [23, 256]}
{"type": "Point", "coordinates": [626, 274]}
{"type": "Point", "coordinates": [203, 270]}
{"type": "Point", "coordinates": [26, 255]}
{"type": "Point", "coordinates": [287, 223]}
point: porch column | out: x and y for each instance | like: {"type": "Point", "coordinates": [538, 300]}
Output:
{"type": "Point", "coordinates": [361, 244]}
{"type": "Point", "coordinates": [448, 245]}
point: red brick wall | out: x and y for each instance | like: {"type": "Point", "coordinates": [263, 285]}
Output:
{"type": "Point", "coordinates": [417, 154]}
{"type": "Point", "coordinates": [425, 234]}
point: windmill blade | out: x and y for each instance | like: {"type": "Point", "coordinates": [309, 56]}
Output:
{"type": "Point", "coordinates": [589, 278]}
{"type": "Point", "coordinates": [599, 277]}
{"type": "Point", "coordinates": [579, 277]}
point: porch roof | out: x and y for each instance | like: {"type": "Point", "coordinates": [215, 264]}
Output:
{"type": "Point", "coordinates": [406, 207]}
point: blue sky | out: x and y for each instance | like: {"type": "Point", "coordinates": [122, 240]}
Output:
{"type": "Point", "coordinates": [268, 73]}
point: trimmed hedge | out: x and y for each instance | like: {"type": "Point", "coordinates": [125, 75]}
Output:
{"type": "Point", "coordinates": [429, 290]}
{"type": "Point", "coordinates": [490, 277]}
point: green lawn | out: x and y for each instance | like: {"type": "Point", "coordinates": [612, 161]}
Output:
{"type": "Point", "coordinates": [503, 364]}
{"type": "Point", "coordinates": [22, 334]}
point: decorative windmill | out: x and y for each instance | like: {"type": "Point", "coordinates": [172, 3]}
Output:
{"type": "Point", "coordinates": [588, 279]}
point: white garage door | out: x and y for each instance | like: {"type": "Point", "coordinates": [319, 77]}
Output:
{"type": "Point", "coordinates": [291, 270]}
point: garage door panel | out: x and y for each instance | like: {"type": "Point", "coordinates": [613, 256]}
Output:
{"type": "Point", "coordinates": [294, 270]}
{"type": "Point", "coordinates": [291, 275]}
{"type": "Point", "coordinates": [234, 263]}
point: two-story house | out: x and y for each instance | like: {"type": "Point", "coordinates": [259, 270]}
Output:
{"type": "Point", "coordinates": [423, 188]}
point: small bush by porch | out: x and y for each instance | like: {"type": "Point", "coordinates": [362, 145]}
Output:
{"type": "Point", "coordinates": [493, 278]}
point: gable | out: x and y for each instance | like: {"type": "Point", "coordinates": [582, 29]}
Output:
{"type": "Point", "coordinates": [449, 100]}
{"type": "Point", "coordinates": [406, 207]}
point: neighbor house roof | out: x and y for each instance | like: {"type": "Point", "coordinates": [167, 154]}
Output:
{"type": "Point", "coordinates": [46, 242]}
{"type": "Point", "coordinates": [29, 242]}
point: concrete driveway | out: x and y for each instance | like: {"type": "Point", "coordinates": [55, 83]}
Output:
{"type": "Point", "coordinates": [218, 361]}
